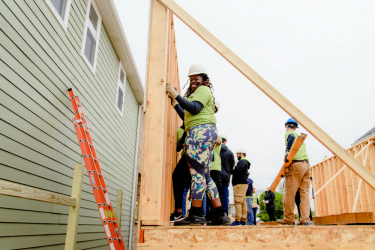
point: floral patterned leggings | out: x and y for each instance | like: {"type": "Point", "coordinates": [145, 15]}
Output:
{"type": "Point", "coordinates": [199, 145]}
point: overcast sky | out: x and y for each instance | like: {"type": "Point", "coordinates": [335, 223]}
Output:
{"type": "Point", "coordinates": [318, 54]}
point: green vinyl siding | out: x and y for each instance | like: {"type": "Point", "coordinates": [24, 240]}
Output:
{"type": "Point", "coordinates": [38, 144]}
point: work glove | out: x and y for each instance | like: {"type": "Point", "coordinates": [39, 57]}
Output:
{"type": "Point", "coordinates": [286, 156]}
{"type": "Point", "coordinates": [174, 102]}
{"type": "Point", "coordinates": [172, 91]}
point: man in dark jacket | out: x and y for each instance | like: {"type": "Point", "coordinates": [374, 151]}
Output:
{"type": "Point", "coordinates": [269, 200]}
{"type": "Point", "coordinates": [239, 181]}
{"type": "Point", "coordinates": [227, 163]}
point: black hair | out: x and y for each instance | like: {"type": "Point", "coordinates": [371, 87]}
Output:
{"type": "Point", "coordinates": [206, 82]}
{"type": "Point", "coordinates": [291, 125]}
{"type": "Point", "coordinates": [244, 154]}
{"type": "Point", "coordinates": [223, 140]}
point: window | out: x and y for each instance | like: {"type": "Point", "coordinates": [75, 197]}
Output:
{"type": "Point", "coordinates": [91, 34]}
{"type": "Point", "coordinates": [121, 90]}
{"type": "Point", "coordinates": [60, 8]}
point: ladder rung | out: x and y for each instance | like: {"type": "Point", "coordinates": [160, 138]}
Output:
{"type": "Point", "coordinates": [105, 206]}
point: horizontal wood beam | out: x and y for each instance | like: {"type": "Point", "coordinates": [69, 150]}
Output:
{"type": "Point", "coordinates": [257, 246]}
{"type": "Point", "coordinates": [344, 219]}
{"type": "Point", "coordinates": [12, 189]}
{"type": "Point", "coordinates": [272, 93]}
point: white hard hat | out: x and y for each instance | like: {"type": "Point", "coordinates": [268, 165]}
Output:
{"type": "Point", "coordinates": [217, 105]}
{"type": "Point", "coordinates": [241, 150]}
{"type": "Point", "coordinates": [224, 136]}
{"type": "Point", "coordinates": [197, 69]}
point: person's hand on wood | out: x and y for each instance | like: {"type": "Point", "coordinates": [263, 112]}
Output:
{"type": "Point", "coordinates": [286, 156]}
{"type": "Point", "coordinates": [172, 91]}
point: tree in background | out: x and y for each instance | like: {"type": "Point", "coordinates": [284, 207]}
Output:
{"type": "Point", "coordinates": [279, 210]}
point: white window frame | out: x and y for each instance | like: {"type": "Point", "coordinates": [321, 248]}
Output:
{"type": "Point", "coordinates": [63, 22]}
{"type": "Point", "coordinates": [97, 36]}
{"type": "Point", "coordinates": [121, 68]}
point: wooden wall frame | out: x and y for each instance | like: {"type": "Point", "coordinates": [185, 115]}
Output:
{"type": "Point", "coordinates": [272, 93]}
{"type": "Point", "coordinates": [161, 121]}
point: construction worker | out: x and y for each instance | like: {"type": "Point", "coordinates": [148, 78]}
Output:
{"type": "Point", "coordinates": [269, 201]}
{"type": "Point", "coordinates": [249, 202]}
{"type": "Point", "coordinates": [239, 181]}
{"type": "Point", "coordinates": [255, 206]}
{"type": "Point", "coordinates": [227, 163]}
{"type": "Point", "coordinates": [296, 178]}
{"type": "Point", "coordinates": [180, 176]}
{"type": "Point", "coordinates": [198, 105]}
{"type": "Point", "coordinates": [215, 173]}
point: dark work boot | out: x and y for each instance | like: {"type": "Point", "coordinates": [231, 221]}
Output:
{"type": "Point", "coordinates": [221, 218]}
{"type": "Point", "coordinates": [195, 218]}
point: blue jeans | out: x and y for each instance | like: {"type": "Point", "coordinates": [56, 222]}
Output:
{"type": "Point", "coordinates": [186, 190]}
{"type": "Point", "coordinates": [255, 209]}
{"type": "Point", "coordinates": [250, 216]}
{"type": "Point", "coordinates": [225, 193]}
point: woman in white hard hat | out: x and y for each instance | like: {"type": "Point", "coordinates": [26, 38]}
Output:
{"type": "Point", "coordinates": [197, 109]}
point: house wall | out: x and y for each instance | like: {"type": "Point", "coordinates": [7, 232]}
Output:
{"type": "Point", "coordinates": [39, 61]}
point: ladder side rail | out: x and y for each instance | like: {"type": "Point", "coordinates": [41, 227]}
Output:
{"type": "Point", "coordinates": [96, 178]}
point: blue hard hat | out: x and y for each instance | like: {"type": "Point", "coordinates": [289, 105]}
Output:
{"type": "Point", "coordinates": [291, 120]}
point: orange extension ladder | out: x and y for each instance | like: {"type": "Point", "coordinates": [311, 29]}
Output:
{"type": "Point", "coordinates": [95, 174]}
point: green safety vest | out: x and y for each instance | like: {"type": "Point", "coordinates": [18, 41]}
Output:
{"type": "Point", "coordinates": [301, 153]}
{"type": "Point", "coordinates": [216, 164]}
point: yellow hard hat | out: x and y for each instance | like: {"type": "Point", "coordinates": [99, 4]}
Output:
{"type": "Point", "coordinates": [197, 69]}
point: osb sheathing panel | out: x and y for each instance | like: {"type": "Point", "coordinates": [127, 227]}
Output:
{"type": "Point", "coordinates": [301, 234]}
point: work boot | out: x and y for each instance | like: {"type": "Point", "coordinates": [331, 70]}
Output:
{"type": "Point", "coordinates": [243, 223]}
{"type": "Point", "coordinates": [235, 223]}
{"type": "Point", "coordinates": [195, 218]}
{"type": "Point", "coordinates": [284, 222]}
{"type": "Point", "coordinates": [221, 218]}
{"type": "Point", "coordinates": [176, 216]}
{"type": "Point", "coordinates": [302, 223]}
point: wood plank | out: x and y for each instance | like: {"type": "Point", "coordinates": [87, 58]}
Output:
{"type": "Point", "coordinates": [119, 207]}
{"type": "Point", "coordinates": [355, 181]}
{"type": "Point", "coordinates": [328, 188]}
{"type": "Point", "coordinates": [324, 192]}
{"type": "Point", "coordinates": [154, 129]}
{"type": "Point", "coordinates": [315, 187]}
{"type": "Point", "coordinates": [337, 186]}
{"type": "Point", "coordinates": [257, 246]}
{"type": "Point", "coordinates": [297, 144]}
{"type": "Point", "coordinates": [344, 191]}
{"type": "Point", "coordinates": [12, 189]}
{"type": "Point", "coordinates": [72, 228]}
{"type": "Point", "coordinates": [271, 92]}
{"type": "Point", "coordinates": [342, 219]}
{"type": "Point", "coordinates": [333, 186]}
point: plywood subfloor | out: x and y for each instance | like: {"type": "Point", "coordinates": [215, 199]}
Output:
{"type": "Point", "coordinates": [260, 234]}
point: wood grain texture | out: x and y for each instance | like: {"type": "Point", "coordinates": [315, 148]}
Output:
{"type": "Point", "coordinates": [271, 92]}
{"type": "Point", "coordinates": [72, 229]}
{"type": "Point", "coordinates": [161, 120]}
{"type": "Point", "coordinates": [256, 234]}
{"type": "Point", "coordinates": [344, 219]}
{"type": "Point", "coordinates": [12, 189]}
{"type": "Point", "coordinates": [342, 193]}
{"type": "Point", "coordinates": [258, 246]}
